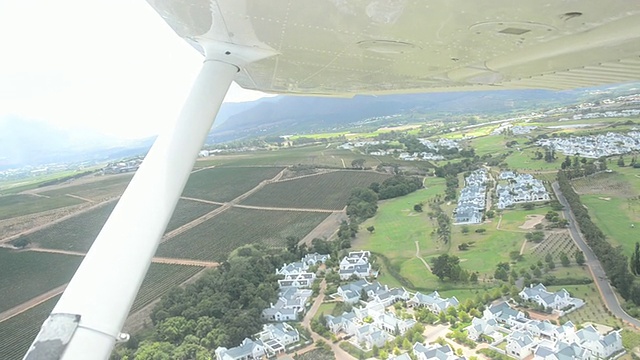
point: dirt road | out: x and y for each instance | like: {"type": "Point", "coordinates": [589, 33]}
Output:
{"type": "Point", "coordinates": [32, 303]}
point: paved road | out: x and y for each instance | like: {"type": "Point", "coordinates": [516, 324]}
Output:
{"type": "Point", "coordinates": [306, 322]}
{"type": "Point", "coordinates": [599, 276]}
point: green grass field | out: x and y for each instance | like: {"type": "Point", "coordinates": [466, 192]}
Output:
{"type": "Point", "coordinates": [78, 233]}
{"type": "Point", "coordinates": [524, 161]}
{"type": "Point", "coordinates": [513, 219]}
{"type": "Point", "coordinates": [397, 229]}
{"type": "Point", "coordinates": [614, 217]}
{"type": "Point", "coordinates": [224, 184]}
{"type": "Point", "coordinates": [325, 191]}
{"type": "Point", "coordinates": [17, 333]}
{"type": "Point", "coordinates": [27, 274]}
{"type": "Point", "coordinates": [22, 204]}
{"type": "Point", "coordinates": [216, 238]}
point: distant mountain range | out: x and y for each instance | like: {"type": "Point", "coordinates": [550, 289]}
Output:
{"type": "Point", "coordinates": [291, 114]}
{"type": "Point", "coordinates": [28, 142]}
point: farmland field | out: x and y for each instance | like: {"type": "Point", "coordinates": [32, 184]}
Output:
{"type": "Point", "coordinates": [325, 191]}
{"type": "Point", "coordinates": [27, 274]}
{"type": "Point", "coordinates": [159, 279]}
{"type": "Point", "coordinates": [74, 234]}
{"type": "Point", "coordinates": [224, 184]}
{"type": "Point", "coordinates": [22, 204]}
{"type": "Point", "coordinates": [17, 333]}
{"type": "Point", "coordinates": [318, 155]}
{"type": "Point", "coordinates": [216, 238]}
{"type": "Point", "coordinates": [78, 233]}
{"type": "Point", "coordinates": [97, 189]}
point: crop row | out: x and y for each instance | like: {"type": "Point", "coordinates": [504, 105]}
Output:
{"type": "Point", "coordinates": [27, 274]}
{"type": "Point", "coordinates": [17, 333]}
{"type": "Point", "coordinates": [21, 204]}
{"type": "Point", "coordinates": [78, 233]}
{"type": "Point", "coordinates": [159, 279]}
{"type": "Point", "coordinates": [325, 191]}
{"type": "Point", "coordinates": [107, 186]}
{"type": "Point", "coordinates": [224, 184]}
{"type": "Point", "coordinates": [555, 244]}
{"type": "Point", "coordinates": [216, 238]}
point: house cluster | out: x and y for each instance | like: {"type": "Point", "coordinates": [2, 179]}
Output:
{"type": "Point", "coordinates": [370, 325]}
{"type": "Point", "coordinates": [594, 146]}
{"type": "Point", "coordinates": [434, 302]}
{"type": "Point", "coordinates": [356, 263]}
{"type": "Point", "coordinates": [419, 156]}
{"type": "Point", "coordinates": [607, 114]}
{"type": "Point", "coordinates": [122, 167]}
{"type": "Point", "coordinates": [358, 144]}
{"type": "Point", "coordinates": [520, 188]}
{"type": "Point", "coordinates": [294, 289]}
{"type": "Point", "coordinates": [514, 129]}
{"type": "Point", "coordinates": [271, 341]}
{"type": "Point", "coordinates": [541, 340]}
{"type": "Point", "coordinates": [558, 300]}
{"type": "Point", "coordinates": [432, 149]}
{"type": "Point", "coordinates": [471, 203]}
{"type": "Point", "coordinates": [434, 352]}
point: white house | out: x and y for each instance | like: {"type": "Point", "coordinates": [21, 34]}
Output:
{"type": "Point", "coordinates": [599, 346]}
{"type": "Point", "coordinates": [434, 352]}
{"type": "Point", "coordinates": [520, 345]}
{"type": "Point", "coordinates": [315, 259]}
{"type": "Point", "coordinates": [558, 300]}
{"type": "Point", "coordinates": [247, 350]}
{"type": "Point", "coordinates": [432, 301]}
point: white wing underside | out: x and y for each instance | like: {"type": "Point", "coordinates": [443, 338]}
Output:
{"type": "Point", "coordinates": [347, 47]}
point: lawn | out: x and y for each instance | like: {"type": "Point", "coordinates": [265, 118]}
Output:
{"type": "Point", "coordinates": [216, 238]}
{"type": "Point", "coordinates": [491, 144]}
{"type": "Point", "coordinates": [325, 309]}
{"type": "Point", "coordinates": [225, 184]}
{"type": "Point", "coordinates": [512, 219]}
{"type": "Point", "coordinates": [614, 217]}
{"type": "Point", "coordinates": [17, 333]}
{"type": "Point", "coordinates": [27, 274]}
{"type": "Point", "coordinates": [325, 191]}
{"type": "Point", "coordinates": [22, 204]}
{"type": "Point", "coordinates": [524, 160]}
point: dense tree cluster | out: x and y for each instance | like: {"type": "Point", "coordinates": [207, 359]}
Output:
{"type": "Point", "coordinates": [220, 309]}
{"type": "Point", "coordinates": [613, 261]}
{"type": "Point", "coordinates": [579, 167]}
{"type": "Point", "coordinates": [396, 186]}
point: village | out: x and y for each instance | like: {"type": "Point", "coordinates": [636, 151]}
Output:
{"type": "Point", "coordinates": [594, 146]}
{"type": "Point", "coordinates": [376, 315]}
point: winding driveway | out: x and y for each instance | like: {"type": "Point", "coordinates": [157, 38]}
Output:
{"type": "Point", "coordinates": [599, 276]}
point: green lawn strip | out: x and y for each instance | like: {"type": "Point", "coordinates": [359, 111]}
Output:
{"type": "Point", "coordinates": [491, 144]}
{"type": "Point", "coordinates": [612, 217]}
{"type": "Point", "coordinates": [216, 238]}
{"type": "Point", "coordinates": [27, 274]}
{"type": "Point", "coordinates": [326, 309]}
{"type": "Point", "coordinates": [593, 310]}
{"type": "Point", "coordinates": [224, 184]}
{"type": "Point", "coordinates": [17, 333]}
{"type": "Point", "coordinates": [325, 191]}
{"type": "Point", "coordinates": [488, 249]}
{"type": "Point", "coordinates": [22, 204]}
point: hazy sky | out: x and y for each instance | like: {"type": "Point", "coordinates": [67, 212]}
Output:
{"type": "Point", "coordinates": [112, 65]}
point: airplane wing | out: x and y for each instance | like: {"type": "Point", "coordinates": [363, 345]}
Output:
{"type": "Point", "coordinates": [342, 47]}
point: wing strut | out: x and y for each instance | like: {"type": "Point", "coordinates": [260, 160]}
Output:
{"type": "Point", "coordinates": [89, 316]}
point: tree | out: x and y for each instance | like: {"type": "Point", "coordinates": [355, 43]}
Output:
{"type": "Point", "coordinates": [564, 259]}
{"type": "Point", "coordinates": [579, 257]}
{"type": "Point", "coordinates": [358, 163]}
{"type": "Point", "coordinates": [528, 206]}
{"type": "Point", "coordinates": [465, 229]}
{"type": "Point", "coordinates": [292, 244]}
{"type": "Point", "coordinates": [371, 229]}
{"type": "Point", "coordinates": [635, 260]}
{"type": "Point", "coordinates": [417, 207]}
{"type": "Point", "coordinates": [446, 266]}
{"type": "Point", "coordinates": [621, 161]}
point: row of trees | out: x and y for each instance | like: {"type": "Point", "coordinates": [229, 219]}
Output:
{"type": "Point", "coordinates": [614, 262]}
